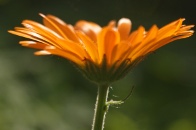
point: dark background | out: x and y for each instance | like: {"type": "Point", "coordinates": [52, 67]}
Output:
{"type": "Point", "coordinates": [48, 93]}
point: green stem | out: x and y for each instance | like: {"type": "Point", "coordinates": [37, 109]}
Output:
{"type": "Point", "coordinates": [100, 107]}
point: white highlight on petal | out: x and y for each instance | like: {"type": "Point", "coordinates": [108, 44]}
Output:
{"type": "Point", "coordinates": [42, 52]}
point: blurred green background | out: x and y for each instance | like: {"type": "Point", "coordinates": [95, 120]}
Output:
{"type": "Point", "coordinates": [48, 93]}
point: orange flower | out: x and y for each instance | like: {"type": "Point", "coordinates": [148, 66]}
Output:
{"type": "Point", "coordinates": [104, 54]}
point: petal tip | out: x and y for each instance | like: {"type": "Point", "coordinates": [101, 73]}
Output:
{"type": "Point", "coordinates": [124, 21]}
{"type": "Point", "coordinates": [42, 52]}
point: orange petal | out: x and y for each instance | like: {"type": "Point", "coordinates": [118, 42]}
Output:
{"type": "Point", "coordinates": [124, 28]}
{"type": "Point", "coordinates": [121, 52]}
{"type": "Point", "coordinates": [112, 24]}
{"type": "Point", "coordinates": [33, 44]}
{"type": "Point", "coordinates": [146, 43]}
{"type": "Point", "coordinates": [60, 27]}
{"type": "Point", "coordinates": [182, 32]}
{"type": "Point", "coordinates": [66, 54]}
{"type": "Point", "coordinates": [89, 28]}
{"type": "Point", "coordinates": [89, 45]}
{"type": "Point", "coordinates": [106, 41]}
{"type": "Point", "coordinates": [35, 36]}
{"type": "Point", "coordinates": [43, 30]}
{"type": "Point", "coordinates": [73, 47]}
{"type": "Point", "coordinates": [136, 37]}
{"type": "Point", "coordinates": [169, 29]}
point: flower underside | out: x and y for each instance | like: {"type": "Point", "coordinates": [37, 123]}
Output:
{"type": "Point", "coordinates": [103, 54]}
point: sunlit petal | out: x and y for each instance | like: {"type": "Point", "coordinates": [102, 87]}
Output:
{"type": "Point", "coordinates": [124, 28]}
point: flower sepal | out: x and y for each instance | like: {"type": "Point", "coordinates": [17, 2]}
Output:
{"type": "Point", "coordinates": [104, 74]}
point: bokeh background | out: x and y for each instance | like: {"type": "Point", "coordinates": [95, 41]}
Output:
{"type": "Point", "coordinates": [48, 93]}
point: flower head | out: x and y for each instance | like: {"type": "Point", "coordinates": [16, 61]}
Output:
{"type": "Point", "coordinates": [103, 54]}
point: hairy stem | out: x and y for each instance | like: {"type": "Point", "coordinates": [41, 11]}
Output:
{"type": "Point", "coordinates": [101, 107]}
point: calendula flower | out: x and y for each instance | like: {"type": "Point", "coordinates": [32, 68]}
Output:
{"type": "Point", "coordinates": [103, 54]}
